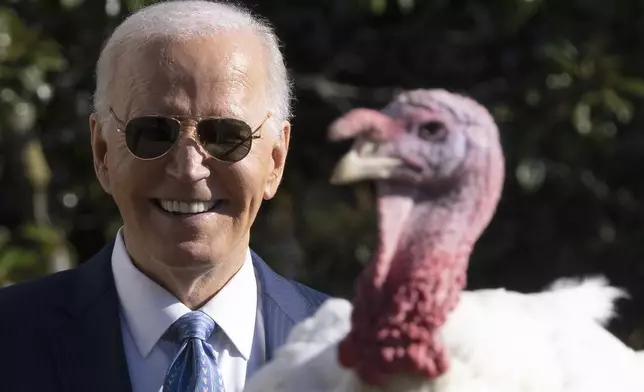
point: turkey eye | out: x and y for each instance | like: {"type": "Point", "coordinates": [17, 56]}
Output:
{"type": "Point", "coordinates": [432, 130]}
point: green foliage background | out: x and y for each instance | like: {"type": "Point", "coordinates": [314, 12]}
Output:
{"type": "Point", "coordinates": [564, 80]}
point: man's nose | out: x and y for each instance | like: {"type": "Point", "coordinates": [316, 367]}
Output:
{"type": "Point", "coordinates": [187, 161]}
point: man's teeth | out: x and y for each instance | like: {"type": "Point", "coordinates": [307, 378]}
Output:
{"type": "Point", "coordinates": [184, 207]}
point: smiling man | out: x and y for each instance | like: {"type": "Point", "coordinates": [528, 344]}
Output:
{"type": "Point", "coordinates": [190, 133]}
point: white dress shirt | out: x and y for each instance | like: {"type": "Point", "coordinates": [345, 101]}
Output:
{"type": "Point", "coordinates": [147, 310]}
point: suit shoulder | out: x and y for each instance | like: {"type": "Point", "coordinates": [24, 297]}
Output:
{"type": "Point", "coordinates": [314, 297]}
{"type": "Point", "coordinates": [277, 285]}
{"type": "Point", "coordinates": [35, 294]}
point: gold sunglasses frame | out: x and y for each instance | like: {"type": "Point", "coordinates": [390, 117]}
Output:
{"type": "Point", "coordinates": [193, 133]}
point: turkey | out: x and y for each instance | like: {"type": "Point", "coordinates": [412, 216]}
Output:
{"type": "Point", "coordinates": [438, 166]}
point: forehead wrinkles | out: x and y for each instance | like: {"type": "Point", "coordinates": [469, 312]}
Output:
{"type": "Point", "coordinates": [242, 77]}
{"type": "Point", "coordinates": [199, 76]}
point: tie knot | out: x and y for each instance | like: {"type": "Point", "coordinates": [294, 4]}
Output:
{"type": "Point", "coordinates": [193, 325]}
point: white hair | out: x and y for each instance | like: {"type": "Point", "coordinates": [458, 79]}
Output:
{"type": "Point", "coordinates": [184, 20]}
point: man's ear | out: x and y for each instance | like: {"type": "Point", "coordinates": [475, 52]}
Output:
{"type": "Point", "coordinates": [99, 151]}
{"type": "Point", "coordinates": [280, 150]}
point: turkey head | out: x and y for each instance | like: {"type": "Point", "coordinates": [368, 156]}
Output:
{"type": "Point", "coordinates": [438, 166]}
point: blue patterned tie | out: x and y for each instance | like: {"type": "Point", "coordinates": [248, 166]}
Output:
{"type": "Point", "coordinates": [194, 368]}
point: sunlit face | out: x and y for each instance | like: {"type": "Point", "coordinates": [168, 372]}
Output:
{"type": "Point", "coordinates": [220, 76]}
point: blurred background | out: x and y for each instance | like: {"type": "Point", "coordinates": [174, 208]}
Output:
{"type": "Point", "coordinates": [564, 80]}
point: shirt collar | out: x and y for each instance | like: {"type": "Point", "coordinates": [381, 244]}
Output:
{"type": "Point", "coordinates": [149, 309]}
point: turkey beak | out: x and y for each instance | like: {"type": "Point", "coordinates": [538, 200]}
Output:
{"type": "Point", "coordinates": [363, 163]}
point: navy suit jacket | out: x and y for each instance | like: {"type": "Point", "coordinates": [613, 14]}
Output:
{"type": "Point", "coordinates": [63, 332]}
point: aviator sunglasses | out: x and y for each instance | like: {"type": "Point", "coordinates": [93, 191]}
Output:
{"type": "Point", "coordinates": [225, 139]}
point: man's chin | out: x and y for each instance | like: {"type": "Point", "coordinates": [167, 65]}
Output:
{"type": "Point", "coordinates": [185, 254]}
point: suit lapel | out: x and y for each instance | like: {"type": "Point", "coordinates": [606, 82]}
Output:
{"type": "Point", "coordinates": [282, 305]}
{"type": "Point", "coordinates": [87, 345]}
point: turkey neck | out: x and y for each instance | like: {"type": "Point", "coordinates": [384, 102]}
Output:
{"type": "Point", "coordinates": [413, 282]}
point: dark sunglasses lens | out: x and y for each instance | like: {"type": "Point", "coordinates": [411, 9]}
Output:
{"type": "Point", "coordinates": [151, 137]}
{"type": "Point", "coordinates": [226, 139]}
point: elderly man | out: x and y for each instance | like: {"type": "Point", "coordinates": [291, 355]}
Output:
{"type": "Point", "coordinates": [189, 135]}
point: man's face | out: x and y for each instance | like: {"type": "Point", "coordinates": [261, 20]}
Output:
{"type": "Point", "coordinates": [221, 76]}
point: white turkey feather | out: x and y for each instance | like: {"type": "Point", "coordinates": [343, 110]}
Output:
{"type": "Point", "coordinates": [498, 341]}
{"type": "Point", "coordinates": [590, 298]}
